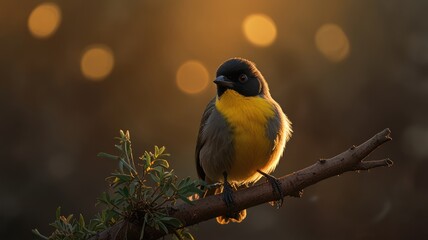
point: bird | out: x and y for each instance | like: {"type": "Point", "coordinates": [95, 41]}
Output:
{"type": "Point", "coordinates": [242, 135]}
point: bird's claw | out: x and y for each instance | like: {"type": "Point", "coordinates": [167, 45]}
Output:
{"type": "Point", "coordinates": [277, 190]}
{"type": "Point", "coordinates": [228, 199]}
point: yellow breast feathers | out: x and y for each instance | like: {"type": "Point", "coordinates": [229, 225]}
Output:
{"type": "Point", "coordinates": [248, 118]}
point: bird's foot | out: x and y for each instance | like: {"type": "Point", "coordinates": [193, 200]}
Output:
{"type": "Point", "coordinates": [228, 199]}
{"type": "Point", "coordinates": [277, 190]}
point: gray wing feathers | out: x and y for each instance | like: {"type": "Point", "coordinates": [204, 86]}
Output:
{"type": "Point", "coordinates": [214, 150]}
{"type": "Point", "coordinates": [200, 141]}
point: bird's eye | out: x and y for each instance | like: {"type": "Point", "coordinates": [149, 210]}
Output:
{"type": "Point", "coordinates": [243, 78]}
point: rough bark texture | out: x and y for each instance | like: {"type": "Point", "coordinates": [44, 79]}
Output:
{"type": "Point", "coordinates": [213, 206]}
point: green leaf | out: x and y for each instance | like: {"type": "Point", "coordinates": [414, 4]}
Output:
{"type": "Point", "coordinates": [119, 147]}
{"type": "Point", "coordinates": [171, 221]}
{"type": "Point", "coordinates": [156, 151]}
{"type": "Point", "coordinates": [132, 188]}
{"type": "Point", "coordinates": [58, 213]}
{"type": "Point", "coordinates": [81, 221]}
{"type": "Point", "coordinates": [187, 235]}
{"type": "Point", "coordinates": [158, 169]}
{"type": "Point", "coordinates": [69, 218]}
{"type": "Point", "coordinates": [107, 155]}
{"type": "Point", "coordinates": [104, 198]}
{"type": "Point", "coordinates": [123, 177]}
{"type": "Point", "coordinates": [162, 162]}
{"type": "Point", "coordinates": [38, 234]}
{"type": "Point", "coordinates": [144, 225]}
{"type": "Point", "coordinates": [124, 192]}
{"type": "Point", "coordinates": [161, 225]}
{"type": "Point", "coordinates": [148, 159]}
{"type": "Point", "coordinates": [121, 167]}
{"type": "Point", "coordinates": [155, 178]}
{"type": "Point", "coordinates": [169, 192]}
{"type": "Point", "coordinates": [128, 135]}
{"type": "Point", "coordinates": [183, 182]}
{"type": "Point", "coordinates": [130, 169]}
{"type": "Point", "coordinates": [162, 150]}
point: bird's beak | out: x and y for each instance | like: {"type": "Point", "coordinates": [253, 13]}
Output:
{"type": "Point", "coordinates": [223, 82]}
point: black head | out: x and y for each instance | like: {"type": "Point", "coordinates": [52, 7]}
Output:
{"type": "Point", "coordinates": [242, 76]}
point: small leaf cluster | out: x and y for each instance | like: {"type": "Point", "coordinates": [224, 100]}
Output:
{"type": "Point", "coordinates": [142, 190]}
{"type": "Point", "coordinates": [70, 228]}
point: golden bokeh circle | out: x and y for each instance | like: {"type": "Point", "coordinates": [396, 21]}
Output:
{"type": "Point", "coordinates": [259, 29]}
{"type": "Point", "coordinates": [97, 62]}
{"type": "Point", "coordinates": [44, 20]}
{"type": "Point", "coordinates": [332, 42]}
{"type": "Point", "coordinates": [192, 77]}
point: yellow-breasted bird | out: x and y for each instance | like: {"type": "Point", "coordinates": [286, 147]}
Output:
{"type": "Point", "coordinates": [242, 134]}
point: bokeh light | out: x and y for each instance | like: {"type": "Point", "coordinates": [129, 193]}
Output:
{"type": "Point", "coordinates": [44, 20]}
{"type": "Point", "coordinates": [192, 77]}
{"type": "Point", "coordinates": [259, 29]}
{"type": "Point", "coordinates": [332, 42]}
{"type": "Point", "coordinates": [97, 62]}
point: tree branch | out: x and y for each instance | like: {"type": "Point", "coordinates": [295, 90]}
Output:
{"type": "Point", "coordinates": [213, 206]}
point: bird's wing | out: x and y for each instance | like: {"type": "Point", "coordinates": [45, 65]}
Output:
{"type": "Point", "coordinates": [278, 127]}
{"type": "Point", "coordinates": [200, 141]}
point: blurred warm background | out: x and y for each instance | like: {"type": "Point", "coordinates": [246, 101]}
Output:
{"type": "Point", "coordinates": [75, 72]}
